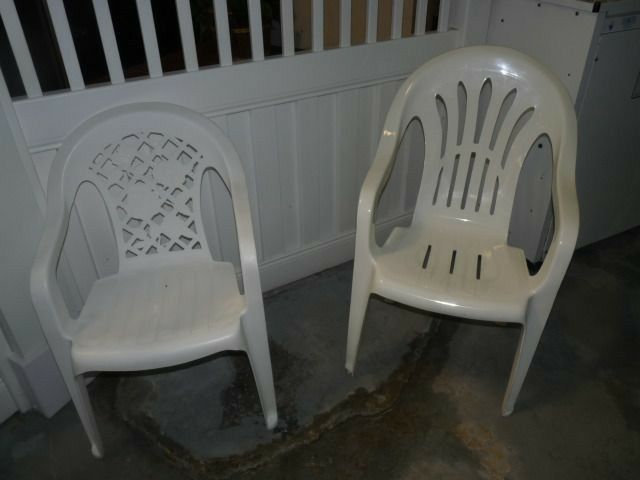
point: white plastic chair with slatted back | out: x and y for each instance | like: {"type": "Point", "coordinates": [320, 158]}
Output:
{"type": "Point", "coordinates": [454, 258]}
{"type": "Point", "coordinates": [170, 302]}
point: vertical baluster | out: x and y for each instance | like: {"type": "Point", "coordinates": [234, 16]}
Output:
{"type": "Point", "coordinates": [286, 17]}
{"type": "Point", "coordinates": [222, 29]}
{"type": "Point", "coordinates": [255, 29]}
{"type": "Point", "coordinates": [345, 23]}
{"type": "Point", "coordinates": [421, 17]}
{"type": "Point", "coordinates": [187, 37]}
{"type": "Point", "coordinates": [20, 49]}
{"type": "Point", "coordinates": [108, 38]}
{"type": "Point", "coordinates": [443, 16]}
{"type": "Point", "coordinates": [372, 21]}
{"type": "Point", "coordinates": [317, 25]}
{"type": "Point", "coordinates": [396, 18]}
{"type": "Point", "coordinates": [65, 43]}
{"type": "Point", "coordinates": [149, 38]}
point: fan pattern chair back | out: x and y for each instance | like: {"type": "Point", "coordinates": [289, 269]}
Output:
{"type": "Point", "coordinates": [480, 117]}
{"type": "Point", "coordinates": [482, 109]}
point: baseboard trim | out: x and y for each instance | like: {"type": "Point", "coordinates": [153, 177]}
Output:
{"type": "Point", "coordinates": [315, 258]}
{"type": "Point", "coordinates": [41, 380]}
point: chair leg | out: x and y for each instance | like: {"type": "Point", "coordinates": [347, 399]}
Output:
{"type": "Point", "coordinates": [529, 338]}
{"type": "Point", "coordinates": [80, 397]}
{"type": "Point", "coordinates": [360, 292]}
{"type": "Point", "coordinates": [255, 334]}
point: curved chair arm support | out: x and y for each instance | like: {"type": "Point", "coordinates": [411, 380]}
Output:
{"type": "Point", "coordinates": [377, 178]}
{"type": "Point", "coordinates": [567, 219]}
{"type": "Point", "coordinates": [45, 291]}
{"type": "Point", "coordinates": [246, 243]}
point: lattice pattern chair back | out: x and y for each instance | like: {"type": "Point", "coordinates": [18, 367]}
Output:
{"type": "Point", "coordinates": [480, 117]}
{"type": "Point", "coordinates": [169, 303]}
{"type": "Point", "coordinates": [150, 181]}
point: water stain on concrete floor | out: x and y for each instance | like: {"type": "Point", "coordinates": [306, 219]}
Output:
{"type": "Point", "coordinates": [207, 415]}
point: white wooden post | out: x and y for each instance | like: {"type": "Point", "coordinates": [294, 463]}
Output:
{"type": "Point", "coordinates": [372, 21]}
{"type": "Point", "coordinates": [20, 49]}
{"type": "Point", "coordinates": [317, 25]}
{"type": "Point", "coordinates": [65, 43]}
{"type": "Point", "coordinates": [149, 38]}
{"type": "Point", "coordinates": [421, 17]}
{"type": "Point", "coordinates": [222, 29]}
{"type": "Point", "coordinates": [286, 17]}
{"type": "Point", "coordinates": [255, 30]}
{"type": "Point", "coordinates": [345, 23]}
{"type": "Point", "coordinates": [108, 38]}
{"type": "Point", "coordinates": [443, 16]}
{"type": "Point", "coordinates": [187, 37]}
{"type": "Point", "coordinates": [396, 18]}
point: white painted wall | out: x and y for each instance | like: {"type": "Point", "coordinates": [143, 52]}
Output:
{"type": "Point", "coordinates": [608, 172]}
{"type": "Point", "coordinates": [557, 33]}
{"type": "Point", "coordinates": [12, 393]}
{"type": "Point", "coordinates": [21, 219]}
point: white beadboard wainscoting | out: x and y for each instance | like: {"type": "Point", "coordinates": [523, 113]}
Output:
{"type": "Point", "coordinates": [305, 155]}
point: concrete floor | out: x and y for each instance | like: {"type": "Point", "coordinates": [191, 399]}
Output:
{"type": "Point", "coordinates": [578, 415]}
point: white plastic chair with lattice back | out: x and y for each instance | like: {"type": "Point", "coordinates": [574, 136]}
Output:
{"type": "Point", "coordinates": [170, 302]}
{"type": "Point", "coordinates": [454, 258]}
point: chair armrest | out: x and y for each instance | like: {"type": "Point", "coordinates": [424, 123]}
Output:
{"type": "Point", "coordinates": [373, 185]}
{"type": "Point", "coordinates": [45, 291]}
{"type": "Point", "coordinates": [246, 242]}
{"type": "Point", "coordinates": [567, 221]}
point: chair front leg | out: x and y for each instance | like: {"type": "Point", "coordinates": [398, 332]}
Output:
{"type": "Point", "coordinates": [537, 315]}
{"type": "Point", "coordinates": [255, 334]}
{"type": "Point", "coordinates": [360, 292]}
{"type": "Point", "coordinates": [78, 391]}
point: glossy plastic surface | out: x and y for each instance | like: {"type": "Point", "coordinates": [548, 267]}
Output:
{"type": "Point", "coordinates": [481, 109]}
{"type": "Point", "coordinates": [170, 302]}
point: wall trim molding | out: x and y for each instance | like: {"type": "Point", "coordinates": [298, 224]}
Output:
{"type": "Point", "coordinates": [288, 268]}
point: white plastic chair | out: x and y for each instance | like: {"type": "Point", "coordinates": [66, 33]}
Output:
{"type": "Point", "coordinates": [170, 302]}
{"type": "Point", "coordinates": [454, 258]}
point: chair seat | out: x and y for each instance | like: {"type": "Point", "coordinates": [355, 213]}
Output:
{"type": "Point", "coordinates": [159, 317]}
{"type": "Point", "coordinates": [494, 288]}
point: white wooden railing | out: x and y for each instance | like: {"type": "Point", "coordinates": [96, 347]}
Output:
{"type": "Point", "coordinates": [62, 31]}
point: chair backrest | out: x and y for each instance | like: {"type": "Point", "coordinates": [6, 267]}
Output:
{"type": "Point", "coordinates": [481, 109]}
{"type": "Point", "coordinates": [147, 161]}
